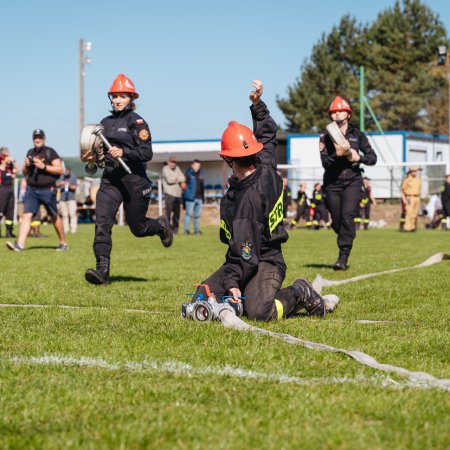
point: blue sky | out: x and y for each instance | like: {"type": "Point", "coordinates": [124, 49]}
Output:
{"type": "Point", "coordinates": [192, 62]}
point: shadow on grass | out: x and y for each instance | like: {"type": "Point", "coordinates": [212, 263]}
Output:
{"type": "Point", "coordinates": [42, 247]}
{"type": "Point", "coordinates": [319, 266]}
{"type": "Point", "coordinates": [126, 278]}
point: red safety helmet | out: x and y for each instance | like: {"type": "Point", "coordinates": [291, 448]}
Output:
{"type": "Point", "coordinates": [339, 104]}
{"type": "Point", "coordinates": [239, 141]}
{"type": "Point", "coordinates": [123, 84]}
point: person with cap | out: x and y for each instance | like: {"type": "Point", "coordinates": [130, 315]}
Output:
{"type": "Point", "coordinates": [410, 191]}
{"type": "Point", "coordinates": [342, 181]}
{"type": "Point", "coordinates": [129, 135]}
{"type": "Point", "coordinates": [252, 225]}
{"type": "Point", "coordinates": [8, 171]}
{"type": "Point", "coordinates": [42, 167]}
{"type": "Point", "coordinates": [172, 181]}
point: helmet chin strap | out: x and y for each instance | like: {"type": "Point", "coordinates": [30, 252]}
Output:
{"type": "Point", "coordinates": [342, 122]}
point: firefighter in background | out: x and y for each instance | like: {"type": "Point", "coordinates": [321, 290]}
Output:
{"type": "Point", "coordinates": [302, 208]}
{"type": "Point", "coordinates": [411, 187]}
{"type": "Point", "coordinates": [368, 199]}
{"type": "Point", "coordinates": [287, 197]}
{"type": "Point", "coordinates": [8, 171]}
{"type": "Point", "coordinates": [321, 215]}
{"type": "Point", "coordinates": [342, 179]}
{"type": "Point", "coordinates": [402, 216]}
{"type": "Point", "coordinates": [445, 197]}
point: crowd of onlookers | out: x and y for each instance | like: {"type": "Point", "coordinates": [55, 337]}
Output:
{"type": "Point", "coordinates": [186, 190]}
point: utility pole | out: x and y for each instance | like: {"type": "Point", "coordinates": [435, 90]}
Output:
{"type": "Point", "coordinates": [362, 101]}
{"type": "Point", "coordinates": [84, 46]}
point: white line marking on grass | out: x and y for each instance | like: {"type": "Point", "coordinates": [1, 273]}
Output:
{"type": "Point", "coordinates": [178, 367]}
{"type": "Point", "coordinates": [368, 322]}
{"type": "Point", "coordinates": [104, 308]}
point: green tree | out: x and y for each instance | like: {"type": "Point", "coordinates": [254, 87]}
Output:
{"type": "Point", "coordinates": [398, 51]}
{"type": "Point", "coordinates": [405, 87]}
{"type": "Point", "coordinates": [331, 70]}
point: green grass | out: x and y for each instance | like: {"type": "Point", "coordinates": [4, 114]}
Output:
{"type": "Point", "coordinates": [158, 403]}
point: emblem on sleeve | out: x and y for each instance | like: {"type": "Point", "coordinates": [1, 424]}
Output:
{"type": "Point", "coordinates": [144, 134]}
{"type": "Point", "coordinates": [246, 252]}
{"type": "Point", "coordinates": [139, 121]}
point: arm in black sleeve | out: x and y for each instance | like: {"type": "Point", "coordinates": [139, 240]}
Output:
{"type": "Point", "coordinates": [142, 151]}
{"type": "Point", "coordinates": [369, 157]}
{"type": "Point", "coordinates": [327, 151]}
{"type": "Point", "coordinates": [244, 246]}
{"type": "Point", "coordinates": [265, 130]}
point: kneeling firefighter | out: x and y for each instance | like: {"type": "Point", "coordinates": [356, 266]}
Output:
{"type": "Point", "coordinates": [129, 135]}
{"type": "Point", "coordinates": [252, 225]}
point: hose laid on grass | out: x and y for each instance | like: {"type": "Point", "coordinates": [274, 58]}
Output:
{"type": "Point", "coordinates": [319, 282]}
{"type": "Point", "coordinates": [228, 319]}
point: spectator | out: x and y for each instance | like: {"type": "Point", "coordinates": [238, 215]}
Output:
{"type": "Point", "coordinates": [194, 196]}
{"type": "Point", "coordinates": [172, 180]}
{"type": "Point", "coordinates": [8, 170]}
{"type": "Point", "coordinates": [87, 211]}
{"type": "Point", "coordinates": [67, 203]}
{"type": "Point", "coordinates": [410, 190]}
{"type": "Point", "coordinates": [42, 167]}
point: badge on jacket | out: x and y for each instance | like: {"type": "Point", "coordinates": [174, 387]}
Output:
{"type": "Point", "coordinates": [246, 252]}
{"type": "Point", "coordinates": [144, 134]}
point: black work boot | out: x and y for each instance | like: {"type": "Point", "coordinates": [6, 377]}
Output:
{"type": "Point", "coordinates": [166, 234]}
{"type": "Point", "coordinates": [308, 298]}
{"type": "Point", "coordinates": [100, 275]}
{"type": "Point", "coordinates": [341, 263]}
{"type": "Point", "coordinates": [9, 232]}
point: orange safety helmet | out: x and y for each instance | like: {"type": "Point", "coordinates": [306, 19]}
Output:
{"type": "Point", "coordinates": [123, 84]}
{"type": "Point", "coordinates": [239, 141]}
{"type": "Point", "coordinates": [339, 104]}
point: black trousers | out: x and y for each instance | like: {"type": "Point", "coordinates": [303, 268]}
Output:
{"type": "Point", "coordinates": [260, 291]}
{"type": "Point", "coordinates": [302, 211]}
{"type": "Point", "coordinates": [342, 199]}
{"type": "Point", "coordinates": [7, 202]}
{"type": "Point", "coordinates": [320, 213]}
{"type": "Point", "coordinates": [131, 189]}
{"type": "Point", "coordinates": [173, 210]}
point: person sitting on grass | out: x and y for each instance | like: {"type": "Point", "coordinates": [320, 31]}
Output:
{"type": "Point", "coordinates": [252, 226]}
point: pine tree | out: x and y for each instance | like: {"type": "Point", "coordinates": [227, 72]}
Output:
{"type": "Point", "coordinates": [398, 52]}
{"type": "Point", "coordinates": [404, 84]}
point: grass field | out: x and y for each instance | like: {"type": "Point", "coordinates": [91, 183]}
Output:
{"type": "Point", "coordinates": [103, 376]}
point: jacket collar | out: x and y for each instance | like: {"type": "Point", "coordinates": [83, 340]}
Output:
{"type": "Point", "coordinates": [122, 113]}
{"type": "Point", "coordinates": [247, 181]}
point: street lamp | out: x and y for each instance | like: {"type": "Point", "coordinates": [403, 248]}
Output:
{"type": "Point", "coordinates": [84, 47]}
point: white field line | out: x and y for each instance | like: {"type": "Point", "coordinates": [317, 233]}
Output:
{"type": "Point", "coordinates": [33, 305]}
{"type": "Point", "coordinates": [178, 367]}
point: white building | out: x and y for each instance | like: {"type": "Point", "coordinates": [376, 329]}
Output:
{"type": "Point", "coordinates": [430, 152]}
